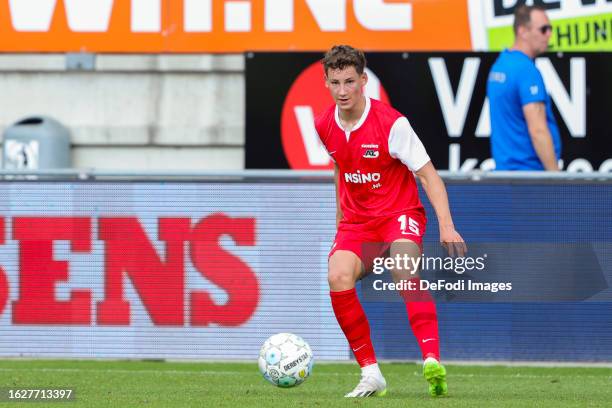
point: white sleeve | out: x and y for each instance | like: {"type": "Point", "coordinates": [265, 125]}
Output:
{"type": "Point", "coordinates": [406, 146]}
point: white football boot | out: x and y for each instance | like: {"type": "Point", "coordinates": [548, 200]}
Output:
{"type": "Point", "coordinates": [369, 386]}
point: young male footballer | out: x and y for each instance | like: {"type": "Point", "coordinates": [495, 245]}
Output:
{"type": "Point", "coordinates": [375, 152]}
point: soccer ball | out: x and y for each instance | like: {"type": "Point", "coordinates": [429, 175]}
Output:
{"type": "Point", "coordinates": [285, 360]}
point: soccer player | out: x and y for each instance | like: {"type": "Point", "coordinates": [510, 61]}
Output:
{"type": "Point", "coordinates": [375, 151]}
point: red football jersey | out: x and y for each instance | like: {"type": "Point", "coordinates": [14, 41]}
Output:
{"type": "Point", "coordinates": [375, 161]}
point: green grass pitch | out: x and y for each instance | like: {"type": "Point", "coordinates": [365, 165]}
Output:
{"type": "Point", "coordinates": [162, 384]}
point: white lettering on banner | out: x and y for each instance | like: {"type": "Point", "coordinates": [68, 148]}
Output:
{"type": "Point", "coordinates": [278, 15]}
{"type": "Point", "coordinates": [329, 14]}
{"type": "Point", "coordinates": [483, 128]}
{"type": "Point", "coordinates": [87, 15]}
{"type": "Point", "coordinates": [82, 15]}
{"type": "Point", "coordinates": [94, 15]}
{"type": "Point", "coordinates": [579, 166]}
{"type": "Point", "coordinates": [454, 109]}
{"type": "Point", "coordinates": [575, 166]}
{"type": "Point", "coordinates": [317, 156]}
{"type": "Point", "coordinates": [146, 16]}
{"type": "Point", "coordinates": [606, 166]}
{"type": "Point", "coordinates": [555, 8]}
{"type": "Point", "coordinates": [31, 15]}
{"type": "Point", "coordinates": [237, 16]}
{"type": "Point", "coordinates": [197, 16]}
{"type": "Point", "coordinates": [454, 159]}
{"type": "Point", "coordinates": [487, 165]}
{"type": "Point", "coordinates": [571, 106]}
{"type": "Point", "coordinates": [376, 15]}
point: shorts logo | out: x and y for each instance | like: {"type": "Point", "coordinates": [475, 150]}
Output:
{"type": "Point", "coordinates": [371, 154]}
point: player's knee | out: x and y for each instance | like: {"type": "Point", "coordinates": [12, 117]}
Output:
{"type": "Point", "coordinates": [340, 278]}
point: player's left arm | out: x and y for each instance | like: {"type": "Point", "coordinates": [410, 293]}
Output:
{"type": "Point", "coordinates": [436, 192]}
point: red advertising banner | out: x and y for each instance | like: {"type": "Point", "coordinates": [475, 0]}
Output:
{"type": "Point", "coordinates": [161, 269]}
{"type": "Point", "coordinates": [128, 251]}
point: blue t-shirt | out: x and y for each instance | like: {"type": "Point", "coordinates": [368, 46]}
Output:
{"type": "Point", "coordinates": [514, 81]}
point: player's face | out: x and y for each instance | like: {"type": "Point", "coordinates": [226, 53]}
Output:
{"type": "Point", "coordinates": [539, 31]}
{"type": "Point", "coordinates": [346, 86]}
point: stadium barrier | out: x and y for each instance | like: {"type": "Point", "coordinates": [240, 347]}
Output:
{"type": "Point", "coordinates": [178, 265]}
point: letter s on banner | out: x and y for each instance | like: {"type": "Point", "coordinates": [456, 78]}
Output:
{"type": "Point", "coordinates": [223, 269]}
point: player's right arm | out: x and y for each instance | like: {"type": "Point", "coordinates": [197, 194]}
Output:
{"type": "Point", "coordinates": [338, 208]}
{"type": "Point", "coordinates": [535, 115]}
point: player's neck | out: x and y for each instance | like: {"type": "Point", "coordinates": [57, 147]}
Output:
{"type": "Point", "coordinates": [524, 48]}
{"type": "Point", "coordinates": [350, 117]}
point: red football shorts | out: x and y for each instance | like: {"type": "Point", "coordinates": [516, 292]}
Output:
{"type": "Point", "coordinates": [381, 230]}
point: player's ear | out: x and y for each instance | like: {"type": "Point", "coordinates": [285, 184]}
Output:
{"type": "Point", "coordinates": [521, 31]}
{"type": "Point", "coordinates": [326, 81]}
{"type": "Point", "coordinates": [364, 78]}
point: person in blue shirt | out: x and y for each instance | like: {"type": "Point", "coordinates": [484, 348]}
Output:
{"type": "Point", "coordinates": [524, 133]}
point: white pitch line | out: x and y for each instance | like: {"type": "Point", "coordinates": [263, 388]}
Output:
{"type": "Point", "coordinates": [226, 372]}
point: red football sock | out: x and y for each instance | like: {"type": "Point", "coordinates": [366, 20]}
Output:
{"type": "Point", "coordinates": [354, 324]}
{"type": "Point", "coordinates": [423, 319]}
